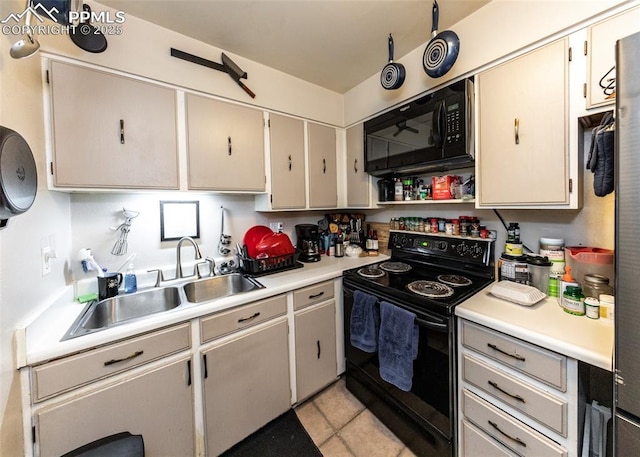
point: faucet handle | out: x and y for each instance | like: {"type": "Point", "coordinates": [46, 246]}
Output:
{"type": "Point", "coordinates": [211, 263]}
{"type": "Point", "coordinates": [159, 276]}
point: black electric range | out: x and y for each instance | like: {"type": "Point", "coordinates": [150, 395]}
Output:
{"type": "Point", "coordinates": [429, 272]}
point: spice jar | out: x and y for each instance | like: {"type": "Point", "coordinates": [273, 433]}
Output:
{"type": "Point", "coordinates": [456, 226]}
{"type": "Point", "coordinates": [465, 226]}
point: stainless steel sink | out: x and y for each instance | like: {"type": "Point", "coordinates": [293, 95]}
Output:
{"type": "Point", "coordinates": [219, 286]}
{"type": "Point", "coordinates": [122, 308]}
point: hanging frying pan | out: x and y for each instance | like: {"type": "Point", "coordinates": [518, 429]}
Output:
{"type": "Point", "coordinates": [18, 176]}
{"type": "Point", "coordinates": [392, 75]}
{"type": "Point", "coordinates": [86, 36]}
{"type": "Point", "coordinates": [442, 50]}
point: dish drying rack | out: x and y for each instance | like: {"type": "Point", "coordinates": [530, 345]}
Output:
{"type": "Point", "coordinates": [269, 265]}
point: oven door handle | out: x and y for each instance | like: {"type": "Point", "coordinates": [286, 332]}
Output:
{"type": "Point", "coordinates": [442, 327]}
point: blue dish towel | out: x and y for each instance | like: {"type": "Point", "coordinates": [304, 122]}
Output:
{"type": "Point", "coordinates": [364, 322]}
{"type": "Point", "coordinates": [398, 345]}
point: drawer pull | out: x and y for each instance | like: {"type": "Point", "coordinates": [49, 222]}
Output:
{"type": "Point", "coordinates": [132, 356]}
{"type": "Point", "coordinates": [244, 319]}
{"type": "Point", "coordinates": [515, 356]}
{"type": "Point", "coordinates": [318, 349]}
{"type": "Point", "coordinates": [311, 297]}
{"type": "Point", "coordinates": [514, 396]}
{"type": "Point", "coordinates": [516, 439]}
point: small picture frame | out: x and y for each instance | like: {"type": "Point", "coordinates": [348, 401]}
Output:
{"type": "Point", "coordinates": [179, 219]}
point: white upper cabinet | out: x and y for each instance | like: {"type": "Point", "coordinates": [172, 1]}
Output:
{"type": "Point", "coordinates": [358, 188]}
{"type": "Point", "coordinates": [323, 176]}
{"type": "Point", "coordinates": [288, 165]}
{"type": "Point", "coordinates": [601, 45]}
{"type": "Point", "coordinates": [110, 131]}
{"type": "Point", "coordinates": [523, 156]}
{"type": "Point", "coordinates": [225, 146]}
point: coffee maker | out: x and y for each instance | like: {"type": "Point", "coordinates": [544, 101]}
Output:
{"type": "Point", "coordinates": [307, 242]}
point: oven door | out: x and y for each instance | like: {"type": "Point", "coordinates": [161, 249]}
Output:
{"type": "Point", "coordinates": [431, 399]}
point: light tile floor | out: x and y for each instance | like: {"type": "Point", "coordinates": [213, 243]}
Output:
{"type": "Point", "coordinates": [342, 427]}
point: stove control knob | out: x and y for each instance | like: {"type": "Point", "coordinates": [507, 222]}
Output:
{"type": "Point", "coordinates": [462, 249]}
{"type": "Point", "coordinates": [476, 251]}
{"type": "Point", "coordinates": [441, 245]}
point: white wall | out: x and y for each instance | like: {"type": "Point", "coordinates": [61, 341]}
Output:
{"type": "Point", "coordinates": [498, 29]}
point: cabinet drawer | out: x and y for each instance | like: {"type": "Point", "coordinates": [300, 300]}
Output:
{"type": "Point", "coordinates": [545, 366]}
{"type": "Point", "coordinates": [242, 317]}
{"type": "Point", "coordinates": [512, 433]}
{"type": "Point", "coordinates": [475, 443]}
{"type": "Point", "coordinates": [64, 374]}
{"type": "Point", "coordinates": [538, 405]}
{"type": "Point", "coordinates": [312, 294]}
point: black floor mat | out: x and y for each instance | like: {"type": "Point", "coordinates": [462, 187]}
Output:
{"type": "Point", "coordinates": [283, 436]}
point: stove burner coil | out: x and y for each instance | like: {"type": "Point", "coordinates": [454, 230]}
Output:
{"type": "Point", "coordinates": [371, 272]}
{"type": "Point", "coordinates": [454, 280]}
{"type": "Point", "coordinates": [430, 289]}
{"type": "Point", "coordinates": [395, 267]}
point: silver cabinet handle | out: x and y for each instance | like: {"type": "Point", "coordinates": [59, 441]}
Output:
{"type": "Point", "coordinates": [124, 359]}
{"type": "Point", "coordinates": [121, 131]}
{"type": "Point", "coordinates": [516, 439]}
{"type": "Point", "coordinates": [515, 356]}
{"type": "Point", "coordinates": [514, 396]}
{"type": "Point", "coordinates": [517, 130]}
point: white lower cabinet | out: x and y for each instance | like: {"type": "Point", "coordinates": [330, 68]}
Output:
{"type": "Point", "coordinates": [316, 362]}
{"type": "Point", "coordinates": [152, 397]}
{"type": "Point", "coordinates": [246, 376]}
{"type": "Point", "coordinates": [514, 398]}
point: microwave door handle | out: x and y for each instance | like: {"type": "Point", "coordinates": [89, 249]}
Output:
{"type": "Point", "coordinates": [438, 124]}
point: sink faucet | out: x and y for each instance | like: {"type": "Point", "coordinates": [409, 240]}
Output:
{"type": "Point", "coordinates": [178, 258]}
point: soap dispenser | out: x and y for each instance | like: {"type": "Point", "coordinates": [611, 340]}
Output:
{"type": "Point", "coordinates": [566, 281]}
{"type": "Point", "coordinates": [130, 280]}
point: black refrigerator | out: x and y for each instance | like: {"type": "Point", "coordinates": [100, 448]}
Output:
{"type": "Point", "coordinates": [627, 248]}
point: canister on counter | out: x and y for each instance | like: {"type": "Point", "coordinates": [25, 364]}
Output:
{"type": "Point", "coordinates": [607, 307]}
{"type": "Point", "coordinates": [513, 268]}
{"type": "Point", "coordinates": [553, 249]}
{"type": "Point", "coordinates": [595, 285]}
{"type": "Point", "coordinates": [513, 249]}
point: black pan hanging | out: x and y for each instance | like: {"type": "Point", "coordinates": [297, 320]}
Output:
{"type": "Point", "coordinates": [18, 176]}
{"type": "Point", "coordinates": [392, 75]}
{"type": "Point", "coordinates": [442, 50]}
{"type": "Point", "coordinates": [86, 36]}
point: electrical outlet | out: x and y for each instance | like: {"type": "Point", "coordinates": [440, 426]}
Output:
{"type": "Point", "coordinates": [46, 260]}
{"type": "Point", "coordinates": [276, 226]}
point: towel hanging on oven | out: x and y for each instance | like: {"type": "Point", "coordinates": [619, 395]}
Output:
{"type": "Point", "coordinates": [364, 323]}
{"type": "Point", "coordinates": [398, 345]}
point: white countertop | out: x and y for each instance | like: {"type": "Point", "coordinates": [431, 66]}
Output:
{"type": "Point", "coordinates": [544, 324]}
{"type": "Point", "coordinates": [40, 340]}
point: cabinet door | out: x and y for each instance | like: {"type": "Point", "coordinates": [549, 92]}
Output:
{"type": "Point", "coordinates": [157, 404]}
{"type": "Point", "coordinates": [323, 177]}
{"type": "Point", "coordinates": [602, 56]}
{"type": "Point", "coordinates": [316, 361]}
{"type": "Point", "coordinates": [287, 162]}
{"type": "Point", "coordinates": [246, 385]}
{"type": "Point", "coordinates": [111, 131]}
{"type": "Point", "coordinates": [357, 179]}
{"type": "Point", "coordinates": [226, 146]}
{"type": "Point", "coordinates": [523, 151]}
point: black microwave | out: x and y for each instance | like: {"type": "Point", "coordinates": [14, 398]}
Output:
{"type": "Point", "coordinates": [431, 133]}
